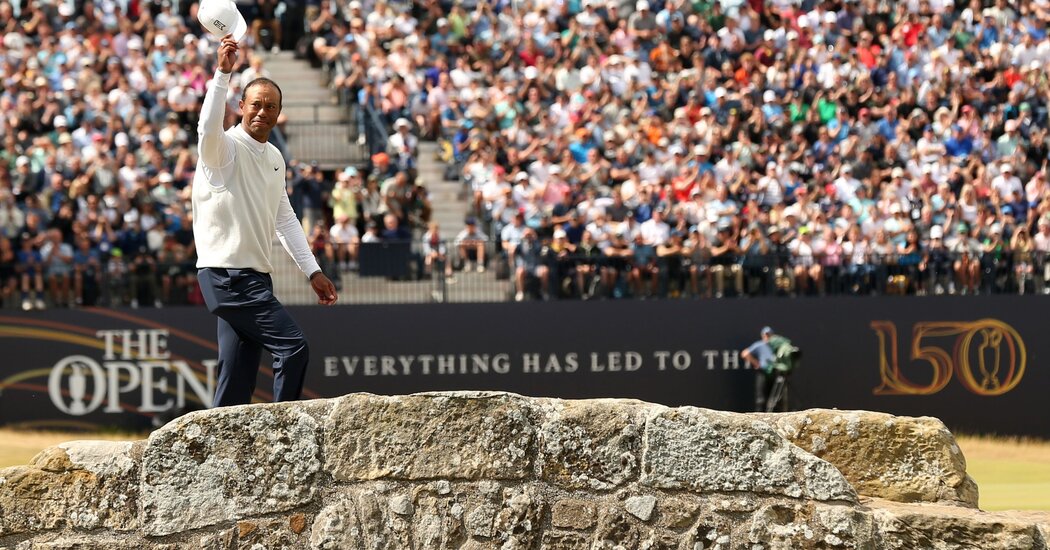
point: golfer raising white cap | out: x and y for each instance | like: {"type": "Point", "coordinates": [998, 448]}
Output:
{"type": "Point", "coordinates": [239, 202]}
{"type": "Point", "coordinates": [221, 17]}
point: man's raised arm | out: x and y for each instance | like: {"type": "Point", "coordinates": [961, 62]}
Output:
{"type": "Point", "coordinates": [212, 146]}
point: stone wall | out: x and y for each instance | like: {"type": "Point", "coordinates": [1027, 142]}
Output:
{"type": "Point", "coordinates": [469, 470]}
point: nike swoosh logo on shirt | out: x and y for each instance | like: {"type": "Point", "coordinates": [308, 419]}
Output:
{"type": "Point", "coordinates": [276, 168]}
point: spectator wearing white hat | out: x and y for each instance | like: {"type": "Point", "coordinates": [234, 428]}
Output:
{"type": "Point", "coordinates": [183, 99]}
{"type": "Point", "coordinates": [165, 193]}
{"type": "Point", "coordinates": [1011, 139]}
{"type": "Point", "coordinates": [1006, 183]}
{"type": "Point", "coordinates": [402, 145]}
{"type": "Point", "coordinates": [642, 27]}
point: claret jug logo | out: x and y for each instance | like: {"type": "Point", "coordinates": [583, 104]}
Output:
{"type": "Point", "coordinates": [987, 356]}
{"type": "Point", "coordinates": [136, 364]}
{"type": "Point", "coordinates": [114, 371]}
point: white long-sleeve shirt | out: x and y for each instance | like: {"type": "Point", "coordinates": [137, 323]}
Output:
{"type": "Point", "coordinates": [239, 196]}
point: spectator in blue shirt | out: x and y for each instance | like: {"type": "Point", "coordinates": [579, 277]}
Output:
{"type": "Point", "coordinates": [958, 144]}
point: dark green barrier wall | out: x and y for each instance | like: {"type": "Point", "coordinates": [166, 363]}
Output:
{"type": "Point", "coordinates": [978, 363]}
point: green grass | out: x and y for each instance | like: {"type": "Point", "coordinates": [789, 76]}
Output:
{"type": "Point", "coordinates": [1011, 473]}
{"type": "Point", "coordinates": [1011, 484]}
{"type": "Point", "coordinates": [18, 447]}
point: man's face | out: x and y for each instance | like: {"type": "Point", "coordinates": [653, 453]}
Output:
{"type": "Point", "coordinates": [260, 107]}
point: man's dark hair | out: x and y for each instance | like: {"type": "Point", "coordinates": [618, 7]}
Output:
{"type": "Point", "coordinates": [263, 81]}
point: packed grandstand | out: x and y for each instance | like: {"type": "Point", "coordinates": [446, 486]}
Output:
{"type": "Point", "coordinates": [608, 148]}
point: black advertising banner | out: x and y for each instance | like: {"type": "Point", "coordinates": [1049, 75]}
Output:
{"type": "Point", "coordinates": [978, 363]}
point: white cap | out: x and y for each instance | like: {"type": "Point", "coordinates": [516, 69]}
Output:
{"type": "Point", "coordinates": [555, 169]}
{"type": "Point", "coordinates": [936, 232]}
{"type": "Point", "coordinates": [829, 17]}
{"type": "Point", "coordinates": [531, 72]}
{"type": "Point", "coordinates": [641, 5]}
{"type": "Point", "coordinates": [60, 121]}
{"type": "Point", "coordinates": [355, 5]}
{"type": "Point", "coordinates": [22, 161]}
{"type": "Point", "coordinates": [792, 35]}
{"type": "Point", "coordinates": [165, 177]}
{"type": "Point", "coordinates": [769, 96]}
{"type": "Point", "coordinates": [402, 123]}
{"type": "Point", "coordinates": [161, 40]}
{"type": "Point", "coordinates": [221, 17]}
{"type": "Point", "coordinates": [770, 34]}
{"type": "Point", "coordinates": [895, 208]}
{"type": "Point", "coordinates": [560, 234]}
{"type": "Point", "coordinates": [1007, 168]}
{"type": "Point", "coordinates": [521, 176]}
{"type": "Point", "coordinates": [720, 92]}
{"type": "Point", "coordinates": [121, 140]}
{"type": "Point", "coordinates": [803, 22]}
{"type": "Point", "coordinates": [135, 43]}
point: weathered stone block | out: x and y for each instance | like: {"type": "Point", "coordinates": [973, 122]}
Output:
{"type": "Point", "coordinates": [247, 478]}
{"type": "Point", "coordinates": [641, 507]}
{"type": "Point", "coordinates": [80, 484]}
{"type": "Point", "coordinates": [594, 444]}
{"type": "Point", "coordinates": [230, 463]}
{"type": "Point", "coordinates": [617, 528]}
{"type": "Point", "coordinates": [678, 512]}
{"type": "Point", "coordinates": [562, 540]}
{"type": "Point", "coordinates": [574, 514]}
{"type": "Point", "coordinates": [937, 526]}
{"type": "Point", "coordinates": [897, 458]}
{"type": "Point", "coordinates": [270, 533]}
{"type": "Point", "coordinates": [438, 524]}
{"type": "Point", "coordinates": [336, 527]}
{"type": "Point", "coordinates": [458, 435]}
{"type": "Point", "coordinates": [519, 523]}
{"type": "Point", "coordinates": [709, 451]}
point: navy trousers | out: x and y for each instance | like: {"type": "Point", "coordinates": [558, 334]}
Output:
{"type": "Point", "coordinates": [250, 320]}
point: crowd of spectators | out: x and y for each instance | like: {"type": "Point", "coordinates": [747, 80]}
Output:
{"type": "Point", "coordinates": [611, 147]}
{"type": "Point", "coordinates": [99, 110]}
{"type": "Point", "coordinates": [726, 146]}
{"type": "Point", "coordinates": [99, 104]}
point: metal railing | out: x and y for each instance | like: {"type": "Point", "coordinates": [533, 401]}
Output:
{"type": "Point", "coordinates": [375, 128]}
{"type": "Point", "coordinates": [323, 133]}
{"type": "Point", "coordinates": [408, 272]}
{"type": "Point", "coordinates": [400, 273]}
